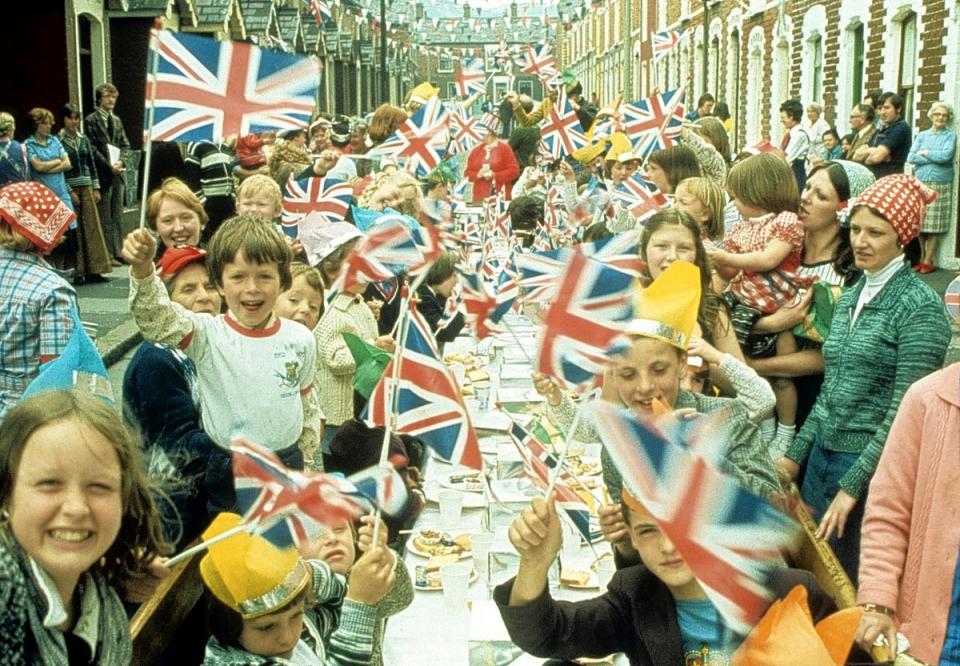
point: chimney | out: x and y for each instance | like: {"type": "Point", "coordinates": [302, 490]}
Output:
{"type": "Point", "coordinates": [513, 11]}
{"type": "Point", "coordinates": [466, 11]}
{"type": "Point", "coordinates": [418, 11]}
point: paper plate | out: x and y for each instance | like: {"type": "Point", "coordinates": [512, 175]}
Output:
{"type": "Point", "coordinates": [439, 588]}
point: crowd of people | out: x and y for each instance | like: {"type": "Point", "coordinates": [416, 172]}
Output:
{"type": "Point", "coordinates": [798, 315]}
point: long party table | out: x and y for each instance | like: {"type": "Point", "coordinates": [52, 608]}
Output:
{"type": "Point", "coordinates": [430, 632]}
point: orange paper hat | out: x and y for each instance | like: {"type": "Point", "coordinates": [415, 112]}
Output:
{"type": "Point", "coordinates": [786, 635]}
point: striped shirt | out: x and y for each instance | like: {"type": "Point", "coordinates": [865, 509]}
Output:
{"type": "Point", "coordinates": [207, 169]}
{"type": "Point", "coordinates": [35, 320]}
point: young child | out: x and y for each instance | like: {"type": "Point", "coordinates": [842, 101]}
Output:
{"type": "Point", "coordinates": [268, 606]}
{"type": "Point", "coordinates": [162, 400]}
{"type": "Point", "coordinates": [656, 611]}
{"type": "Point", "coordinates": [36, 316]}
{"type": "Point", "coordinates": [703, 199]}
{"type": "Point", "coordinates": [303, 301]}
{"type": "Point", "coordinates": [261, 196]}
{"type": "Point", "coordinates": [78, 523]}
{"type": "Point", "coordinates": [763, 257]}
{"type": "Point", "coordinates": [255, 370]}
{"type": "Point", "coordinates": [338, 548]}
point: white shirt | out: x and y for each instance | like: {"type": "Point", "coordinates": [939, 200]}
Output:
{"type": "Point", "coordinates": [876, 280]}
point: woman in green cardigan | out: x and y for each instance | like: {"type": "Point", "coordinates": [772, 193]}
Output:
{"type": "Point", "coordinates": [888, 331]}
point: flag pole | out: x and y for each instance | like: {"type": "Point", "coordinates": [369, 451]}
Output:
{"type": "Point", "coordinates": [568, 440]}
{"type": "Point", "coordinates": [151, 113]}
{"type": "Point", "coordinates": [203, 545]}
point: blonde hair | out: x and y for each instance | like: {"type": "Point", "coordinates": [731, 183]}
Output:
{"type": "Point", "coordinates": [765, 181]}
{"type": "Point", "coordinates": [140, 538]}
{"type": "Point", "coordinates": [177, 190]}
{"type": "Point", "coordinates": [313, 276]}
{"type": "Point", "coordinates": [260, 184]}
{"type": "Point", "coordinates": [711, 197]}
{"type": "Point", "coordinates": [12, 239]}
{"type": "Point", "coordinates": [40, 115]}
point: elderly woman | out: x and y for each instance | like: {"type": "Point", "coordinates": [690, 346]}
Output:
{"type": "Point", "coordinates": [887, 332]}
{"type": "Point", "coordinates": [491, 166]}
{"type": "Point", "coordinates": [932, 156]}
{"type": "Point", "coordinates": [911, 537]}
{"type": "Point", "coordinates": [13, 159]}
{"type": "Point", "coordinates": [814, 124]}
{"type": "Point", "coordinates": [176, 214]}
{"type": "Point", "coordinates": [93, 256]}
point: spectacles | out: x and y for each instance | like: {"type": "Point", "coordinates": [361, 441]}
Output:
{"type": "Point", "coordinates": [940, 114]}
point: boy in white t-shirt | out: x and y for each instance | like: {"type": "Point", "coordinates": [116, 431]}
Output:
{"type": "Point", "coordinates": [255, 369]}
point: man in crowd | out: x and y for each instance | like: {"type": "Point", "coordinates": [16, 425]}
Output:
{"type": "Point", "coordinates": [106, 134]}
{"type": "Point", "coordinates": [704, 108]}
{"type": "Point", "coordinates": [861, 127]}
{"type": "Point", "coordinates": [890, 145]}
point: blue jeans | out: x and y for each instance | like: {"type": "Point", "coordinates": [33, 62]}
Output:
{"type": "Point", "coordinates": [821, 482]}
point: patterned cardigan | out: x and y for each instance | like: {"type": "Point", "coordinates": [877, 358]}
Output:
{"type": "Point", "coordinates": [900, 336]}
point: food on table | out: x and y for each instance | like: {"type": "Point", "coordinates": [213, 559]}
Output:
{"type": "Point", "coordinates": [463, 358]}
{"type": "Point", "coordinates": [574, 577]}
{"type": "Point", "coordinates": [437, 561]}
{"type": "Point", "coordinates": [477, 375]}
{"type": "Point", "coordinates": [431, 542]}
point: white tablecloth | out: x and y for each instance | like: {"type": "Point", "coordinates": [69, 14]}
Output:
{"type": "Point", "coordinates": [428, 631]}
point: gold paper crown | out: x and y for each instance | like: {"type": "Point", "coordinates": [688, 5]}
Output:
{"type": "Point", "coordinates": [423, 92]}
{"type": "Point", "coordinates": [248, 573]}
{"type": "Point", "coordinates": [590, 152]}
{"type": "Point", "coordinates": [620, 148]}
{"type": "Point", "coordinates": [667, 309]}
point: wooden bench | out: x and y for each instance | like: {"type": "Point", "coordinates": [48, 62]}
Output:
{"type": "Point", "coordinates": [155, 625]}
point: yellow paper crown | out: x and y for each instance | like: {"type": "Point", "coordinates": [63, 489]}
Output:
{"type": "Point", "coordinates": [423, 92]}
{"type": "Point", "coordinates": [248, 573]}
{"type": "Point", "coordinates": [590, 152]}
{"type": "Point", "coordinates": [667, 309]}
{"type": "Point", "coordinates": [620, 148]}
{"type": "Point", "coordinates": [786, 635]}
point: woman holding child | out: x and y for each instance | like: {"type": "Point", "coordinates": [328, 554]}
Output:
{"type": "Point", "coordinates": [887, 332]}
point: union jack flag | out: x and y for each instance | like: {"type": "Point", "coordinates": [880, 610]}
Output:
{"type": "Point", "coordinates": [463, 133]}
{"type": "Point", "coordinates": [327, 196]}
{"type": "Point", "coordinates": [380, 486]}
{"type": "Point", "coordinates": [504, 55]}
{"type": "Point", "coordinates": [470, 77]}
{"type": "Point", "coordinates": [288, 507]}
{"type": "Point", "coordinates": [653, 123]}
{"type": "Point", "coordinates": [663, 42]}
{"type": "Point", "coordinates": [730, 538]}
{"type": "Point", "coordinates": [208, 89]}
{"type": "Point", "coordinates": [554, 212]}
{"type": "Point", "coordinates": [640, 197]}
{"type": "Point", "coordinates": [321, 11]}
{"type": "Point", "coordinates": [421, 141]}
{"type": "Point", "coordinates": [580, 331]}
{"type": "Point", "coordinates": [484, 308]}
{"type": "Point", "coordinates": [452, 307]}
{"type": "Point", "coordinates": [539, 465]}
{"type": "Point", "coordinates": [539, 61]}
{"type": "Point", "coordinates": [561, 132]}
{"type": "Point", "coordinates": [386, 251]}
{"type": "Point", "coordinates": [429, 405]}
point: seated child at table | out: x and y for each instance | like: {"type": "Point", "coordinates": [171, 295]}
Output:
{"type": "Point", "coordinates": [269, 606]}
{"type": "Point", "coordinates": [655, 612]}
{"type": "Point", "coordinates": [79, 522]}
{"type": "Point", "coordinates": [255, 369]}
{"type": "Point", "coordinates": [338, 548]}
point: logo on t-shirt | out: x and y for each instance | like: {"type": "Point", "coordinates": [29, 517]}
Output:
{"type": "Point", "coordinates": [705, 657]}
{"type": "Point", "coordinates": [290, 378]}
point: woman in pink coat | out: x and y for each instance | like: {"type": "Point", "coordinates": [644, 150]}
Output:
{"type": "Point", "coordinates": [491, 167]}
{"type": "Point", "coordinates": [909, 578]}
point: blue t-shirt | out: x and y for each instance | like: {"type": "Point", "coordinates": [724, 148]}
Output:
{"type": "Point", "coordinates": [950, 654]}
{"type": "Point", "coordinates": [897, 138]}
{"type": "Point", "coordinates": [706, 639]}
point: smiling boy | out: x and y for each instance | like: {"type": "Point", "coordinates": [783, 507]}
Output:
{"type": "Point", "coordinates": [255, 369]}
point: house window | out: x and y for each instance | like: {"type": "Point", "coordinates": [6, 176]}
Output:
{"type": "Point", "coordinates": [816, 63]}
{"type": "Point", "coordinates": [856, 76]}
{"type": "Point", "coordinates": [906, 79]}
{"type": "Point", "coordinates": [452, 90]}
{"type": "Point", "coordinates": [445, 63]}
{"type": "Point", "coordinates": [715, 66]}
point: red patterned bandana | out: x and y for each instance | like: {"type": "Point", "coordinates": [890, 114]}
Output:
{"type": "Point", "coordinates": [901, 200]}
{"type": "Point", "coordinates": [36, 212]}
{"type": "Point", "coordinates": [175, 259]}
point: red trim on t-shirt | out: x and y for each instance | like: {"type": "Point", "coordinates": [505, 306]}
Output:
{"type": "Point", "coordinates": [305, 391]}
{"type": "Point", "coordinates": [46, 358]}
{"type": "Point", "coordinates": [251, 333]}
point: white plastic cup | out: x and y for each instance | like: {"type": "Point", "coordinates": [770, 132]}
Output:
{"type": "Point", "coordinates": [480, 543]}
{"type": "Point", "coordinates": [456, 581]}
{"type": "Point", "coordinates": [460, 372]}
{"type": "Point", "coordinates": [605, 570]}
{"type": "Point", "coordinates": [571, 544]}
{"type": "Point", "coordinates": [482, 393]}
{"type": "Point", "coordinates": [451, 505]}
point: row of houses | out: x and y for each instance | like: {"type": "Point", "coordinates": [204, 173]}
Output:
{"type": "Point", "coordinates": [754, 54]}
